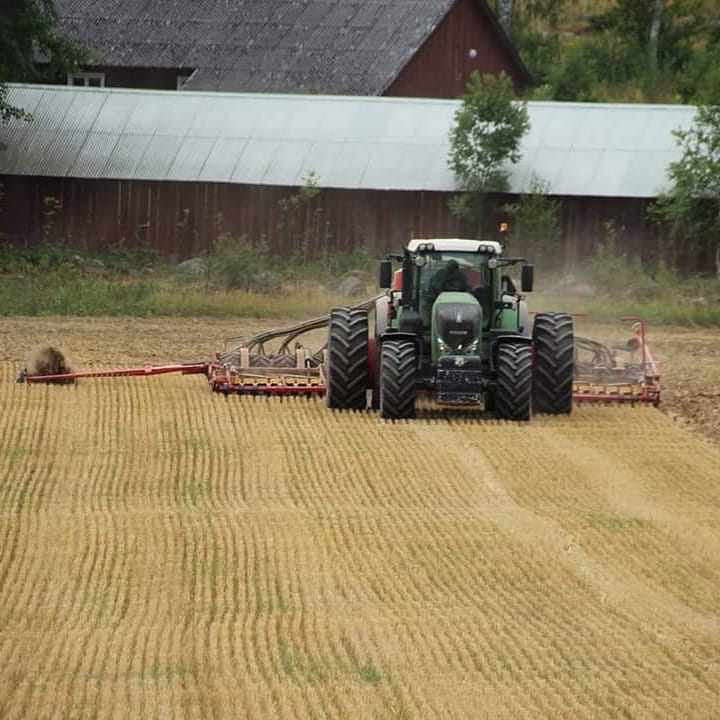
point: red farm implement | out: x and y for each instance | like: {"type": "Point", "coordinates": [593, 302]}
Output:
{"type": "Point", "coordinates": [279, 363]}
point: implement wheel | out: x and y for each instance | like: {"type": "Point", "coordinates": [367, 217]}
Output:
{"type": "Point", "coordinates": [514, 382]}
{"type": "Point", "coordinates": [347, 361]}
{"type": "Point", "coordinates": [554, 345]}
{"type": "Point", "coordinates": [397, 379]}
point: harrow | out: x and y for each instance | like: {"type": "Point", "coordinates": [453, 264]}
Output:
{"type": "Point", "coordinates": [621, 373]}
{"type": "Point", "coordinates": [280, 362]}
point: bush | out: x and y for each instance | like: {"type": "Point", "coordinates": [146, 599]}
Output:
{"type": "Point", "coordinates": [240, 265]}
{"type": "Point", "coordinates": [536, 225]}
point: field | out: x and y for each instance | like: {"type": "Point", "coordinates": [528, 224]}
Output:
{"type": "Point", "coordinates": [166, 553]}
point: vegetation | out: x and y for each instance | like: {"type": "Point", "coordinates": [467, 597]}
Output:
{"type": "Point", "coordinates": [534, 230]}
{"type": "Point", "coordinates": [619, 51]}
{"type": "Point", "coordinates": [692, 207]}
{"type": "Point", "coordinates": [485, 137]}
{"type": "Point", "coordinates": [28, 29]}
{"type": "Point", "coordinates": [234, 279]}
{"type": "Point", "coordinates": [55, 281]}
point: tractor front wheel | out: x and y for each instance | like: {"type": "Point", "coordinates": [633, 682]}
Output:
{"type": "Point", "coordinates": [397, 379]}
{"type": "Point", "coordinates": [514, 382]}
{"type": "Point", "coordinates": [554, 345]}
{"type": "Point", "coordinates": [346, 369]}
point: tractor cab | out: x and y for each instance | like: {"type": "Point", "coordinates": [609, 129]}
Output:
{"type": "Point", "coordinates": [451, 293]}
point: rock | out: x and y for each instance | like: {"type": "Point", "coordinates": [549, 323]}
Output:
{"type": "Point", "coordinates": [351, 286]}
{"type": "Point", "coordinates": [584, 290]}
{"type": "Point", "coordinates": [95, 267]}
{"type": "Point", "coordinates": [196, 266]}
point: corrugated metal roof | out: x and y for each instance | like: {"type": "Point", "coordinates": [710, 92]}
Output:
{"type": "Point", "coordinates": [348, 142]}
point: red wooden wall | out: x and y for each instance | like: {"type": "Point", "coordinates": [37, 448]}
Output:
{"type": "Point", "coordinates": [182, 219]}
{"type": "Point", "coordinates": [442, 66]}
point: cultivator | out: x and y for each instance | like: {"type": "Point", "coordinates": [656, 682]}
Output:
{"type": "Point", "coordinates": [283, 362]}
{"type": "Point", "coordinates": [617, 373]}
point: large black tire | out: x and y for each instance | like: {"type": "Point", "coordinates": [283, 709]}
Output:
{"type": "Point", "coordinates": [397, 379]}
{"type": "Point", "coordinates": [514, 382]}
{"type": "Point", "coordinates": [554, 344]}
{"type": "Point", "coordinates": [346, 369]}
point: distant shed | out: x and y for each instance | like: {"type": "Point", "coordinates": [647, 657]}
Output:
{"type": "Point", "coordinates": [174, 170]}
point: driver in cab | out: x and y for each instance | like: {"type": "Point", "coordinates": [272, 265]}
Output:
{"type": "Point", "coordinates": [449, 279]}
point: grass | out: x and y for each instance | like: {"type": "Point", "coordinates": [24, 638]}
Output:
{"type": "Point", "coordinates": [53, 281]}
{"type": "Point", "coordinates": [662, 298]}
{"type": "Point", "coordinates": [606, 287]}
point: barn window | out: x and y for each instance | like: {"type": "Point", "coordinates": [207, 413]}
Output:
{"type": "Point", "coordinates": [86, 79]}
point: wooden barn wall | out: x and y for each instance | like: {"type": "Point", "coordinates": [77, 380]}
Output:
{"type": "Point", "coordinates": [442, 66]}
{"type": "Point", "coordinates": [182, 219]}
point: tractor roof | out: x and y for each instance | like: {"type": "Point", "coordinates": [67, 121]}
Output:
{"type": "Point", "coordinates": [458, 245]}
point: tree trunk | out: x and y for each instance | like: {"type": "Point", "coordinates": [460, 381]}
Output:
{"type": "Point", "coordinates": [717, 245]}
{"type": "Point", "coordinates": [655, 25]}
{"type": "Point", "coordinates": [505, 9]}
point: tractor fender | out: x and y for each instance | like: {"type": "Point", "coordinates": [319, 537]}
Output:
{"type": "Point", "coordinates": [382, 307]}
{"type": "Point", "coordinates": [395, 335]}
{"type": "Point", "coordinates": [524, 324]}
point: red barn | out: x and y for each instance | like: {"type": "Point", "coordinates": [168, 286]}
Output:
{"type": "Point", "coordinates": [410, 48]}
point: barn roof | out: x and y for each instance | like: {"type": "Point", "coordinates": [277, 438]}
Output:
{"type": "Point", "coordinates": [328, 46]}
{"type": "Point", "coordinates": [347, 142]}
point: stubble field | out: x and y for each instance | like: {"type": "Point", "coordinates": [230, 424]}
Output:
{"type": "Point", "coordinates": [167, 553]}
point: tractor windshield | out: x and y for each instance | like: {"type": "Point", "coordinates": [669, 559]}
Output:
{"type": "Point", "coordinates": [449, 272]}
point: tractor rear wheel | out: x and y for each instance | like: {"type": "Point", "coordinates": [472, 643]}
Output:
{"type": "Point", "coordinates": [347, 359]}
{"type": "Point", "coordinates": [554, 345]}
{"type": "Point", "coordinates": [514, 382]}
{"type": "Point", "coordinates": [397, 379]}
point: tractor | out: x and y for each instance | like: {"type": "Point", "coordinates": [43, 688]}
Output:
{"type": "Point", "coordinates": [453, 325]}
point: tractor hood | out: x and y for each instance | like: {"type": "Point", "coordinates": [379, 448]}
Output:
{"type": "Point", "coordinates": [456, 324]}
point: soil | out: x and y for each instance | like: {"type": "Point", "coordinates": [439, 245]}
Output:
{"type": "Point", "coordinates": [690, 358]}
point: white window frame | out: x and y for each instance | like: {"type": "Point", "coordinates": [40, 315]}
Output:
{"type": "Point", "coordinates": [86, 77]}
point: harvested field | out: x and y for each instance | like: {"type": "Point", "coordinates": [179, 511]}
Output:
{"type": "Point", "coordinates": [167, 553]}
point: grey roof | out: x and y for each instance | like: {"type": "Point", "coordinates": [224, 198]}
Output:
{"type": "Point", "coordinates": [353, 47]}
{"type": "Point", "coordinates": [348, 142]}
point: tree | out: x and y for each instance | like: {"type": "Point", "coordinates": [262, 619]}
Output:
{"type": "Point", "coordinates": [505, 13]}
{"type": "Point", "coordinates": [535, 224]}
{"type": "Point", "coordinates": [28, 30]}
{"type": "Point", "coordinates": [655, 34]}
{"type": "Point", "coordinates": [692, 206]}
{"type": "Point", "coordinates": [489, 125]}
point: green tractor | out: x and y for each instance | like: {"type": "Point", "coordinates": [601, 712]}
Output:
{"type": "Point", "coordinates": [452, 324]}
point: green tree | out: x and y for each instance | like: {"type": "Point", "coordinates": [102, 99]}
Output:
{"type": "Point", "coordinates": [489, 126]}
{"type": "Point", "coordinates": [28, 30]}
{"type": "Point", "coordinates": [656, 36]}
{"type": "Point", "coordinates": [692, 207]}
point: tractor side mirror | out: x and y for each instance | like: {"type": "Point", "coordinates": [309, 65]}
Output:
{"type": "Point", "coordinates": [527, 278]}
{"type": "Point", "coordinates": [385, 279]}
